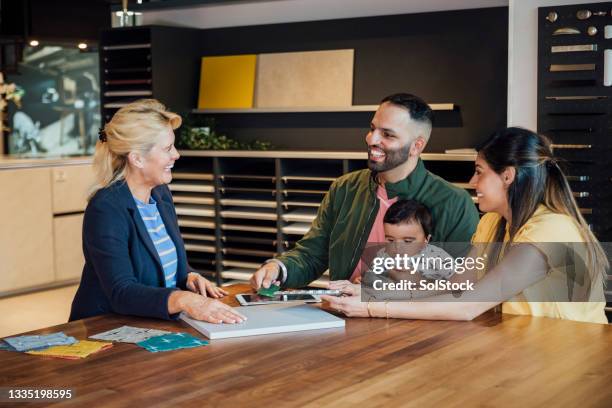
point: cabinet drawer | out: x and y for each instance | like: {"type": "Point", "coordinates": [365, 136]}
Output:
{"type": "Point", "coordinates": [69, 259]}
{"type": "Point", "coordinates": [71, 185]}
{"type": "Point", "coordinates": [26, 229]}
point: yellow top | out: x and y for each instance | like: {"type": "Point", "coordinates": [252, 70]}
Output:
{"type": "Point", "coordinates": [543, 227]}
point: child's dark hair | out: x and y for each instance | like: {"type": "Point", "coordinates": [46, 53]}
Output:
{"type": "Point", "coordinates": [404, 211]}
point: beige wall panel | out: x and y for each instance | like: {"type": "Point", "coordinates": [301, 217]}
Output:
{"type": "Point", "coordinates": [313, 78]}
{"type": "Point", "coordinates": [71, 185]}
{"type": "Point", "coordinates": [69, 258]}
{"type": "Point", "coordinates": [26, 229]}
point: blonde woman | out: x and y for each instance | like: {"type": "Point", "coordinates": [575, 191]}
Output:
{"type": "Point", "coordinates": [530, 215]}
{"type": "Point", "coordinates": [135, 261]}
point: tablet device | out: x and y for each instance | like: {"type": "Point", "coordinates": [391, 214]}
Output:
{"type": "Point", "coordinates": [255, 299]}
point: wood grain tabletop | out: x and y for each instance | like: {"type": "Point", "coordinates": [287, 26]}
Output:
{"type": "Point", "coordinates": [495, 360]}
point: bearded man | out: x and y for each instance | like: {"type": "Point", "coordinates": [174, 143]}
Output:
{"type": "Point", "coordinates": [351, 213]}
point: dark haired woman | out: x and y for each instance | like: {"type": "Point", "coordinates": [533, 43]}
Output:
{"type": "Point", "coordinates": [530, 214]}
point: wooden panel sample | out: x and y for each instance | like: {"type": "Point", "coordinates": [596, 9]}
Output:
{"type": "Point", "coordinates": [227, 82]}
{"type": "Point", "coordinates": [67, 236]}
{"type": "Point", "coordinates": [312, 78]}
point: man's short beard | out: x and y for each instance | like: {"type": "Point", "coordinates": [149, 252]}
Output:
{"type": "Point", "coordinates": [393, 159]}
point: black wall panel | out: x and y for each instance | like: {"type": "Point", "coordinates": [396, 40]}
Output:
{"type": "Point", "coordinates": [455, 57]}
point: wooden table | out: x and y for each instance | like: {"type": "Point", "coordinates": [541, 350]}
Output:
{"type": "Point", "coordinates": [496, 360]}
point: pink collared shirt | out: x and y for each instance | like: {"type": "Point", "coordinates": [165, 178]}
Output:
{"type": "Point", "coordinates": [377, 235]}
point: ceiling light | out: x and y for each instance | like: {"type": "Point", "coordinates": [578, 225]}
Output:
{"type": "Point", "coordinates": [34, 43]}
{"type": "Point", "coordinates": [82, 46]}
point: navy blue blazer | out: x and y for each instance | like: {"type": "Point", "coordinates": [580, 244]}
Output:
{"type": "Point", "coordinates": [123, 273]}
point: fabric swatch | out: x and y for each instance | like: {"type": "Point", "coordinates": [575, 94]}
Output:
{"type": "Point", "coordinates": [269, 292]}
{"type": "Point", "coordinates": [35, 342]}
{"type": "Point", "coordinates": [172, 341]}
{"type": "Point", "coordinates": [74, 351]}
{"type": "Point", "coordinates": [6, 346]}
{"type": "Point", "coordinates": [128, 334]}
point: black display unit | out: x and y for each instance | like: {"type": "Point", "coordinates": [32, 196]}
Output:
{"type": "Point", "coordinates": [575, 104]}
{"type": "Point", "coordinates": [149, 62]}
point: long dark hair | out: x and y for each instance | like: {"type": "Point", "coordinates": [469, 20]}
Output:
{"type": "Point", "coordinates": [539, 180]}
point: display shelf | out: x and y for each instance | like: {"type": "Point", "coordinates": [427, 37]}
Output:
{"type": "Point", "coordinates": [296, 191]}
{"type": "Point", "coordinates": [129, 93]}
{"type": "Point", "coordinates": [119, 82]}
{"type": "Point", "coordinates": [248, 252]}
{"type": "Point", "coordinates": [237, 274]}
{"type": "Point", "coordinates": [126, 47]}
{"type": "Point", "coordinates": [239, 190]}
{"type": "Point", "coordinates": [291, 203]}
{"type": "Point", "coordinates": [288, 179]}
{"type": "Point", "coordinates": [197, 247]}
{"type": "Point", "coordinates": [199, 237]}
{"type": "Point", "coordinates": [241, 264]}
{"type": "Point", "coordinates": [296, 228]}
{"type": "Point", "coordinates": [195, 222]}
{"type": "Point", "coordinates": [248, 240]}
{"type": "Point", "coordinates": [183, 175]}
{"type": "Point", "coordinates": [247, 177]}
{"type": "Point", "coordinates": [248, 228]}
{"type": "Point", "coordinates": [136, 62]}
{"type": "Point", "coordinates": [241, 209]}
{"type": "Point", "coordinates": [184, 198]}
{"type": "Point", "coordinates": [249, 213]}
{"type": "Point", "coordinates": [245, 202]}
{"type": "Point", "coordinates": [194, 188]}
{"type": "Point", "coordinates": [195, 210]}
{"type": "Point", "coordinates": [574, 108]}
{"type": "Point", "coordinates": [306, 215]}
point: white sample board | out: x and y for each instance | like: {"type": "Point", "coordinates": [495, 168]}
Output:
{"type": "Point", "coordinates": [269, 319]}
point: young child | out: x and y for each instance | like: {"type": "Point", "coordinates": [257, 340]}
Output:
{"type": "Point", "coordinates": [408, 225]}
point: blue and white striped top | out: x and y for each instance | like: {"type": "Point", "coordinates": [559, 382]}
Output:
{"type": "Point", "coordinates": [161, 240]}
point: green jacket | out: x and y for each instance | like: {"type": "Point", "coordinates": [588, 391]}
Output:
{"type": "Point", "coordinates": [345, 218]}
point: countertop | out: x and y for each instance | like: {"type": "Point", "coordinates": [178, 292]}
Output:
{"type": "Point", "coordinates": [9, 162]}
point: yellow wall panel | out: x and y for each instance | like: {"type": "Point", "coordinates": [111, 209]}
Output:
{"type": "Point", "coordinates": [227, 82]}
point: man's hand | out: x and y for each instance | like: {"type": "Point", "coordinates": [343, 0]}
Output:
{"type": "Point", "coordinates": [266, 276]}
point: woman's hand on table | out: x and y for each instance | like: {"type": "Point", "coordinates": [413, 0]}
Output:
{"type": "Point", "coordinates": [351, 306]}
{"type": "Point", "coordinates": [346, 287]}
{"type": "Point", "coordinates": [199, 284]}
{"type": "Point", "coordinates": [203, 308]}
